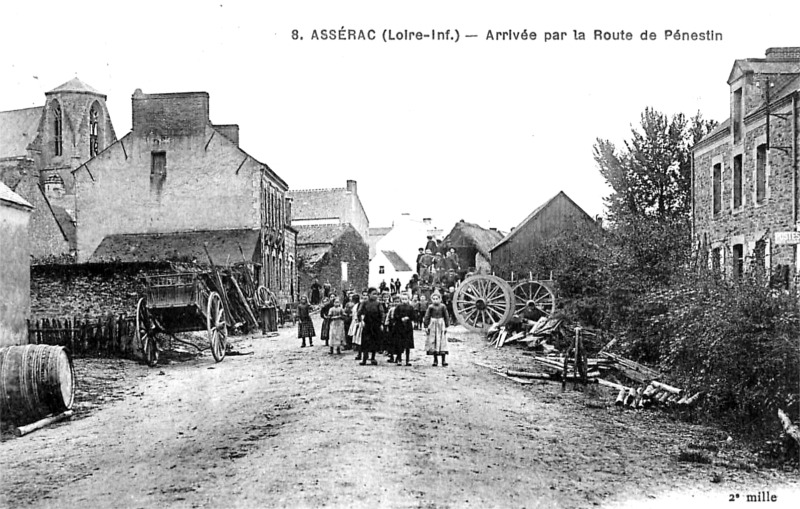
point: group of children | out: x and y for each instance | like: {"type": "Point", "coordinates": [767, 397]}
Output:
{"type": "Point", "coordinates": [373, 323]}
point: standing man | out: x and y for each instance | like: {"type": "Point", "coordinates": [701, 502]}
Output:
{"type": "Point", "coordinates": [315, 292]}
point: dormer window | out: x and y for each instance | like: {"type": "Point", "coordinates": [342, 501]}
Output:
{"type": "Point", "coordinates": [94, 131]}
{"type": "Point", "coordinates": [58, 146]}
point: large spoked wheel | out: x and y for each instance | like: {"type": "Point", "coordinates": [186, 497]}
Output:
{"type": "Point", "coordinates": [217, 328]}
{"type": "Point", "coordinates": [145, 334]}
{"type": "Point", "coordinates": [538, 292]}
{"type": "Point", "coordinates": [482, 301]}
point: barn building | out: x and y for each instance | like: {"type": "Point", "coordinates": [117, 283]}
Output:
{"type": "Point", "coordinates": [515, 253]}
{"type": "Point", "coordinates": [472, 245]}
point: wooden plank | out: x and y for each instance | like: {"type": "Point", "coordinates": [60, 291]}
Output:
{"type": "Point", "coordinates": [24, 430]}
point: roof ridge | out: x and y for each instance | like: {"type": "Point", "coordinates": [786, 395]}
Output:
{"type": "Point", "coordinates": [318, 189]}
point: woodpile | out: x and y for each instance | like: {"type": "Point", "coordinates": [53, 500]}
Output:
{"type": "Point", "coordinates": [646, 388]}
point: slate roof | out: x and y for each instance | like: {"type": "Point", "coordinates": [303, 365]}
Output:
{"type": "Point", "coordinates": [9, 196]}
{"type": "Point", "coordinates": [397, 261]}
{"type": "Point", "coordinates": [75, 85]}
{"type": "Point", "coordinates": [18, 128]}
{"type": "Point", "coordinates": [535, 213]}
{"type": "Point", "coordinates": [320, 233]}
{"type": "Point", "coordinates": [223, 245]}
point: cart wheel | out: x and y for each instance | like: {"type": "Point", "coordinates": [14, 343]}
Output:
{"type": "Point", "coordinates": [217, 328]}
{"type": "Point", "coordinates": [536, 291]}
{"type": "Point", "coordinates": [482, 301]}
{"type": "Point", "coordinates": [144, 334]}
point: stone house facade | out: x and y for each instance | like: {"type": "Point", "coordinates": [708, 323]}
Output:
{"type": "Point", "coordinates": [333, 254]}
{"type": "Point", "coordinates": [176, 172]}
{"type": "Point", "coordinates": [744, 177]}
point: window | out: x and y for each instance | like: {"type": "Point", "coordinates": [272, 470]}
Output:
{"type": "Point", "coordinates": [158, 170]}
{"type": "Point", "coordinates": [761, 173]}
{"type": "Point", "coordinates": [94, 130]}
{"type": "Point", "coordinates": [738, 260]}
{"type": "Point", "coordinates": [58, 146]}
{"type": "Point", "coordinates": [738, 121]}
{"type": "Point", "coordinates": [158, 167]}
{"type": "Point", "coordinates": [716, 260]}
{"type": "Point", "coordinates": [737, 182]}
{"type": "Point", "coordinates": [381, 270]}
{"type": "Point", "coordinates": [717, 188]}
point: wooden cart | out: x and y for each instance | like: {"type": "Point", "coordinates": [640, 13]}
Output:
{"type": "Point", "coordinates": [482, 301]}
{"type": "Point", "coordinates": [180, 303]}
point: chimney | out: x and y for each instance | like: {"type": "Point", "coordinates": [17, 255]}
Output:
{"type": "Point", "coordinates": [405, 214]}
{"type": "Point", "coordinates": [785, 53]}
{"type": "Point", "coordinates": [178, 114]}
{"type": "Point", "coordinates": [426, 220]}
{"type": "Point", "coordinates": [352, 186]}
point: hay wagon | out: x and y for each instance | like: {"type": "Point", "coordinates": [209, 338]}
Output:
{"type": "Point", "coordinates": [176, 303]}
{"type": "Point", "coordinates": [482, 301]}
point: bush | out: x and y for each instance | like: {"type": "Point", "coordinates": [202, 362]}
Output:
{"type": "Point", "coordinates": [737, 341]}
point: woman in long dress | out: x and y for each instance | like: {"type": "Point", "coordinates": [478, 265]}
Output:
{"type": "Point", "coordinates": [305, 327]}
{"type": "Point", "coordinates": [436, 328]}
{"type": "Point", "coordinates": [403, 329]}
{"type": "Point", "coordinates": [371, 314]}
{"type": "Point", "coordinates": [336, 328]}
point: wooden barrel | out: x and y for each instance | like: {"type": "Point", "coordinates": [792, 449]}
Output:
{"type": "Point", "coordinates": [35, 381]}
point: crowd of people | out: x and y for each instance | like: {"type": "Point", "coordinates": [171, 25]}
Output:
{"type": "Point", "coordinates": [375, 322]}
{"type": "Point", "coordinates": [383, 319]}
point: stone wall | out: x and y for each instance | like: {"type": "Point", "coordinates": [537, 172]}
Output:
{"type": "Point", "coordinates": [349, 247]}
{"type": "Point", "coordinates": [88, 291]}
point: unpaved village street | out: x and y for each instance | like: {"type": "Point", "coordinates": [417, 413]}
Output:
{"type": "Point", "coordinates": [297, 427]}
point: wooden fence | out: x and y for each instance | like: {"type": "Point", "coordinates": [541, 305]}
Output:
{"type": "Point", "coordinates": [107, 336]}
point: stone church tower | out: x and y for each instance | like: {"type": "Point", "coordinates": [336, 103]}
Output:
{"type": "Point", "coordinates": [74, 127]}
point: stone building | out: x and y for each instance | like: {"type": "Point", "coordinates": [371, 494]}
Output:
{"type": "Point", "coordinates": [176, 175]}
{"type": "Point", "coordinates": [516, 251]}
{"type": "Point", "coordinates": [332, 253]}
{"type": "Point", "coordinates": [744, 177]}
{"type": "Point", "coordinates": [39, 148]}
{"type": "Point", "coordinates": [330, 206]}
{"type": "Point", "coordinates": [15, 297]}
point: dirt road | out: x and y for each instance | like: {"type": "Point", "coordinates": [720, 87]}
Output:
{"type": "Point", "coordinates": [292, 427]}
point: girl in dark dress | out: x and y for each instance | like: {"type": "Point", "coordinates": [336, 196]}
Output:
{"type": "Point", "coordinates": [327, 304]}
{"type": "Point", "coordinates": [305, 327]}
{"type": "Point", "coordinates": [403, 329]}
{"type": "Point", "coordinates": [371, 315]}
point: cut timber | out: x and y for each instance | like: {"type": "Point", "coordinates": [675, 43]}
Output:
{"type": "Point", "coordinates": [649, 391]}
{"type": "Point", "coordinates": [47, 421]}
{"type": "Point", "coordinates": [633, 370]}
{"type": "Point", "coordinates": [518, 380]}
{"type": "Point", "coordinates": [691, 400]}
{"type": "Point", "coordinates": [630, 398]}
{"type": "Point", "coordinates": [620, 398]}
{"type": "Point", "coordinates": [612, 384]}
{"type": "Point", "coordinates": [791, 429]}
{"type": "Point", "coordinates": [528, 374]}
{"type": "Point", "coordinates": [668, 388]}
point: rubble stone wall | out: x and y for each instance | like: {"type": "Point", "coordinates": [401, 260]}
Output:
{"type": "Point", "coordinates": [87, 291]}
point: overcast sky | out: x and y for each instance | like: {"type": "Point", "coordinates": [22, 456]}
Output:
{"type": "Point", "coordinates": [477, 129]}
